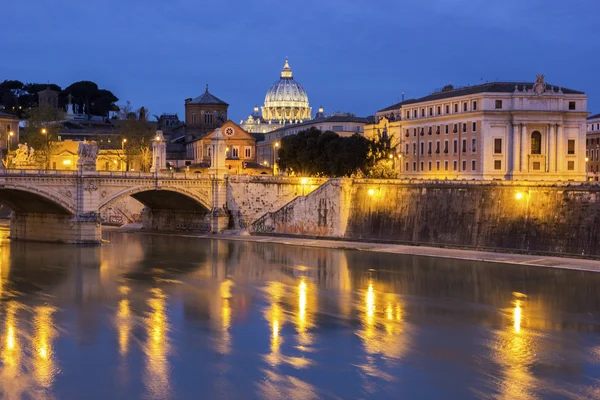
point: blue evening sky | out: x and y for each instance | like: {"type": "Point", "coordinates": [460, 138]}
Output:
{"type": "Point", "coordinates": [350, 55]}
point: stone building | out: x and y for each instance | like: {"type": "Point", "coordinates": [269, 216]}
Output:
{"type": "Point", "coordinates": [203, 115]}
{"type": "Point", "coordinates": [240, 148]}
{"type": "Point", "coordinates": [48, 98]}
{"type": "Point", "coordinates": [492, 131]}
{"type": "Point", "coordinates": [592, 141]}
{"type": "Point", "coordinates": [9, 131]}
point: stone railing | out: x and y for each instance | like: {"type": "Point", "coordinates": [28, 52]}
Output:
{"type": "Point", "coordinates": [108, 174]}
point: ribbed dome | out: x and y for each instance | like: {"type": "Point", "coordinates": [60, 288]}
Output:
{"type": "Point", "coordinates": [286, 100]}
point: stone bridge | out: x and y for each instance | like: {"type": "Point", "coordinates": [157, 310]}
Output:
{"type": "Point", "coordinates": [64, 206]}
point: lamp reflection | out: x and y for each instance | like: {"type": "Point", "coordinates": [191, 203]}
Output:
{"type": "Point", "coordinates": [514, 350]}
{"type": "Point", "coordinates": [304, 317]}
{"type": "Point", "coordinates": [157, 346]}
{"type": "Point", "coordinates": [274, 315]}
{"type": "Point", "coordinates": [124, 322]}
{"type": "Point", "coordinates": [224, 345]}
{"type": "Point", "coordinates": [381, 311]}
{"type": "Point", "coordinates": [11, 349]}
{"type": "Point", "coordinates": [44, 333]}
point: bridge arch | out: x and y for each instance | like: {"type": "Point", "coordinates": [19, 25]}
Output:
{"type": "Point", "coordinates": [32, 199]}
{"type": "Point", "coordinates": [163, 198]}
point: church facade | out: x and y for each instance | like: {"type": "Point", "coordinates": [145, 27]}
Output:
{"type": "Point", "coordinates": [493, 131]}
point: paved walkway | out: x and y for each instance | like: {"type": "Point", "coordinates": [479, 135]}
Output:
{"type": "Point", "coordinates": [460, 254]}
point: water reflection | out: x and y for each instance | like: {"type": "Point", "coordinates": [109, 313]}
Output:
{"type": "Point", "coordinates": [43, 353]}
{"type": "Point", "coordinates": [161, 316]}
{"type": "Point", "coordinates": [157, 379]}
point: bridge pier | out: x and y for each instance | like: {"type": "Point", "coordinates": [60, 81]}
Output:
{"type": "Point", "coordinates": [59, 228]}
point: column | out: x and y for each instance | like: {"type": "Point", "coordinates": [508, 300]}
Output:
{"type": "Point", "coordinates": [524, 152]}
{"type": "Point", "coordinates": [560, 149]}
{"type": "Point", "coordinates": [551, 148]}
{"type": "Point", "coordinates": [516, 156]}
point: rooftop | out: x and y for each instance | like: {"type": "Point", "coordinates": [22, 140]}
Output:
{"type": "Point", "coordinates": [207, 98]}
{"type": "Point", "coordinates": [333, 118]}
{"type": "Point", "coordinates": [7, 116]}
{"type": "Point", "coordinates": [594, 116]}
{"type": "Point", "coordinates": [490, 87]}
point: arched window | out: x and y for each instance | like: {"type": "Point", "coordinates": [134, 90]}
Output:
{"type": "Point", "coordinates": [536, 143]}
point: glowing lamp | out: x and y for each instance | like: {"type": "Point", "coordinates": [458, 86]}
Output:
{"type": "Point", "coordinates": [304, 181]}
{"type": "Point", "coordinates": [519, 195]}
{"type": "Point", "coordinates": [371, 192]}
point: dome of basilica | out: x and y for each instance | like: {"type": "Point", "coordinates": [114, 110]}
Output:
{"type": "Point", "coordinates": [286, 101]}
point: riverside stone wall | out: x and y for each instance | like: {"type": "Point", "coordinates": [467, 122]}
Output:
{"type": "Point", "coordinates": [527, 216]}
{"type": "Point", "coordinates": [251, 197]}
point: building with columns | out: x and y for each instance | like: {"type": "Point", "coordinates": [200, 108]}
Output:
{"type": "Point", "coordinates": [592, 141]}
{"type": "Point", "coordinates": [492, 131]}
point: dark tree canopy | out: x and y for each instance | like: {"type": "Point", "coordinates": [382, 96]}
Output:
{"type": "Point", "coordinates": [316, 153]}
{"type": "Point", "coordinates": [18, 97]}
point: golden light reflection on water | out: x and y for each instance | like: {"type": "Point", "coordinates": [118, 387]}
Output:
{"type": "Point", "coordinates": [124, 322]}
{"type": "Point", "coordinates": [224, 343]}
{"type": "Point", "coordinates": [11, 349]}
{"type": "Point", "coordinates": [382, 332]}
{"type": "Point", "coordinates": [304, 316]}
{"type": "Point", "coordinates": [157, 378]}
{"type": "Point", "coordinates": [43, 354]}
{"type": "Point", "coordinates": [274, 315]}
{"type": "Point", "coordinates": [515, 350]}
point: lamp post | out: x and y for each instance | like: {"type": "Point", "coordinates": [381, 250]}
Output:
{"type": "Point", "coordinates": [586, 169]}
{"type": "Point", "coordinates": [275, 148]}
{"type": "Point", "coordinates": [45, 132]}
{"type": "Point", "coordinates": [9, 140]}
{"type": "Point", "coordinates": [126, 156]}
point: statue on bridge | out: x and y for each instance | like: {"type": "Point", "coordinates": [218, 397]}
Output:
{"type": "Point", "coordinates": [88, 154]}
{"type": "Point", "coordinates": [24, 156]}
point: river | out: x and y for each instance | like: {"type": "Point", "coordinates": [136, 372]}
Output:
{"type": "Point", "coordinates": [159, 316]}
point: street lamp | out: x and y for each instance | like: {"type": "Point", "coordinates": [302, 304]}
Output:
{"type": "Point", "coordinates": [276, 147]}
{"type": "Point", "coordinates": [45, 132]}
{"type": "Point", "coordinates": [9, 140]}
{"type": "Point", "coordinates": [586, 168]}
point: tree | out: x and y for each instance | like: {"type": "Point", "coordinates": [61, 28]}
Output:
{"type": "Point", "coordinates": [138, 134]}
{"type": "Point", "coordinates": [379, 164]}
{"type": "Point", "coordinates": [83, 93]}
{"type": "Point", "coordinates": [41, 134]}
{"type": "Point", "coordinates": [316, 153]}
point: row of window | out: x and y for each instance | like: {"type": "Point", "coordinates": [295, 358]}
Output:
{"type": "Point", "coordinates": [592, 128]}
{"type": "Point", "coordinates": [446, 150]}
{"type": "Point", "coordinates": [438, 129]}
{"type": "Point", "coordinates": [438, 164]}
{"type": "Point", "coordinates": [208, 118]}
{"type": "Point", "coordinates": [234, 152]}
{"type": "Point", "coordinates": [437, 110]}
{"type": "Point", "coordinates": [590, 154]}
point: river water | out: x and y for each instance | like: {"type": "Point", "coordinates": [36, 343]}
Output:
{"type": "Point", "coordinates": [156, 316]}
